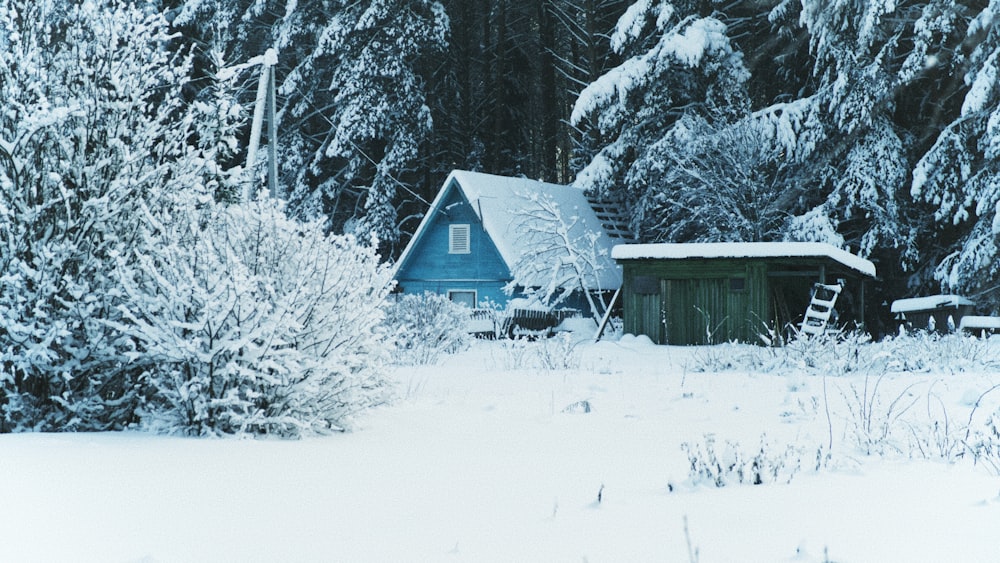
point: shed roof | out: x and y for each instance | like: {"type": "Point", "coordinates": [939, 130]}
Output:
{"type": "Point", "coordinates": [681, 251]}
{"type": "Point", "coordinates": [928, 303]}
{"type": "Point", "coordinates": [503, 203]}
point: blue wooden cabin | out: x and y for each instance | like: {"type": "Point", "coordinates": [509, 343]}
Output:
{"type": "Point", "coordinates": [474, 235]}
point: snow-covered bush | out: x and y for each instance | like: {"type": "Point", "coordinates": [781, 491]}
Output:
{"type": "Point", "coordinates": [838, 353]}
{"type": "Point", "coordinates": [984, 445]}
{"type": "Point", "coordinates": [244, 321]}
{"type": "Point", "coordinates": [875, 418]}
{"type": "Point", "coordinates": [422, 327]}
{"type": "Point", "coordinates": [923, 351]}
{"type": "Point", "coordinates": [915, 422]}
{"type": "Point", "coordinates": [91, 119]}
{"type": "Point", "coordinates": [492, 320]}
{"type": "Point", "coordinates": [558, 352]}
{"type": "Point", "coordinates": [728, 356]}
{"type": "Point", "coordinates": [515, 353]}
{"type": "Point", "coordinates": [854, 352]}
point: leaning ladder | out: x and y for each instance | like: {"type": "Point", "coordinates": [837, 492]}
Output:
{"type": "Point", "coordinates": [824, 297]}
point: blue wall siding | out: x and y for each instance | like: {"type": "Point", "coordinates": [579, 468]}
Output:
{"type": "Point", "coordinates": [429, 266]}
{"type": "Point", "coordinates": [485, 291]}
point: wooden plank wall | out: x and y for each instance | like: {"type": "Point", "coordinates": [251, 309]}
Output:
{"type": "Point", "coordinates": [697, 301]}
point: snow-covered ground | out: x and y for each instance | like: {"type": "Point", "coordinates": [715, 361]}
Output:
{"type": "Point", "coordinates": [490, 456]}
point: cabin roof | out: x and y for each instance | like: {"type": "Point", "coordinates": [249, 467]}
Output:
{"type": "Point", "coordinates": [682, 251]}
{"type": "Point", "coordinates": [501, 203]}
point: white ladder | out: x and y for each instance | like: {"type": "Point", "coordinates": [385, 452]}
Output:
{"type": "Point", "coordinates": [824, 297]}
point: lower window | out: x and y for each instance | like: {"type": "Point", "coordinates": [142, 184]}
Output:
{"type": "Point", "coordinates": [463, 297]}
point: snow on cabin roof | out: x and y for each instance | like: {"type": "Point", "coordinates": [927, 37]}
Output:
{"type": "Point", "coordinates": [502, 202]}
{"type": "Point", "coordinates": [679, 251]}
{"type": "Point", "coordinates": [928, 303]}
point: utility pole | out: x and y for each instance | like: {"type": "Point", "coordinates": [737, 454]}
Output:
{"type": "Point", "coordinates": [272, 133]}
{"type": "Point", "coordinates": [265, 101]}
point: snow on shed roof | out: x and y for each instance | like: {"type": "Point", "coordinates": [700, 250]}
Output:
{"type": "Point", "coordinates": [502, 202]}
{"type": "Point", "coordinates": [928, 303]}
{"type": "Point", "coordinates": [679, 251]}
{"type": "Point", "coordinates": [977, 322]}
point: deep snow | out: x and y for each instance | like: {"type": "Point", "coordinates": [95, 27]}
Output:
{"type": "Point", "coordinates": [477, 461]}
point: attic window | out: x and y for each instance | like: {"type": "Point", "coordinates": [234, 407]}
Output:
{"type": "Point", "coordinates": [458, 239]}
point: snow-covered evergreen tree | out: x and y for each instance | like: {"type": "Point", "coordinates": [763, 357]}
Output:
{"type": "Point", "coordinates": [352, 108]}
{"type": "Point", "coordinates": [245, 321]}
{"type": "Point", "coordinates": [959, 175]}
{"type": "Point", "coordinates": [363, 68]}
{"type": "Point", "coordinates": [842, 139]}
{"type": "Point", "coordinates": [717, 183]}
{"type": "Point", "coordinates": [677, 63]}
{"type": "Point", "coordinates": [91, 120]}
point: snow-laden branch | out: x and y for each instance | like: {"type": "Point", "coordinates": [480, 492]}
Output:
{"type": "Point", "coordinates": [557, 249]}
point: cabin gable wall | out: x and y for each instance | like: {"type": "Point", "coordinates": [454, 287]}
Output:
{"type": "Point", "coordinates": [431, 267]}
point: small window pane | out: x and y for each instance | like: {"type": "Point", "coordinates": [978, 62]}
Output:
{"type": "Point", "coordinates": [458, 239]}
{"type": "Point", "coordinates": [467, 298]}
{"type": "Point", "coordinates": [645, 285]}
{"type": "Point", "coordinates": [737, 284]}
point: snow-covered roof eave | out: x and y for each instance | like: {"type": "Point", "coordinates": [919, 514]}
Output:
{"type": "Point", "coordinates": [681, 251]}
{"type": "Point", "coordinates": [434, 209]}
{"type": "Point", "coordinates": [928, 303]}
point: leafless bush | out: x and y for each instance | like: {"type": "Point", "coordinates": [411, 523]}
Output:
{"type": "Point", "coordinates": [737, 466]}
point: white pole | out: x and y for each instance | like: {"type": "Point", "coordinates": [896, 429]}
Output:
{"type": "Point", "coordinates": [269, 60]}
{"type": "Point", "coordinates": [272, 136]}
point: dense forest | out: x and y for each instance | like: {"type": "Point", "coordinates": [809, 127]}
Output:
{"type": "Point", "coordinates": [872, 125]}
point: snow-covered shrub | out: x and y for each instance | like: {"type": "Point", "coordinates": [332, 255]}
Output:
{"type": "Point", "coordinates": [912, 422]}
{"type": "Point", "coordinates": [558, 352]}
{"type": "Point", "coordinates": [492, 320]}
{"type": "Point", "coordinates": [737, 466]}
{"type": "Point", "coordinates": [852, 353]}
{"type": "Point", "coordinates": [92, 119]}
{"type": "Point", "coordinates": [984, 445]}
{"type": "Point", "coordinates": [422, 327]}
{"type": "Point", "coordinates": [838, 353]}
{"type": "Point", "coordinates": [244, 321]}
{"type": "Point", "coordinates": [928, 351]}
{"type": "Point", "coordinates": [728, 356]}
{"type": "Point", "coordinates": [875, 418]}
{"type": "Point", "coordinates": [515, 353]}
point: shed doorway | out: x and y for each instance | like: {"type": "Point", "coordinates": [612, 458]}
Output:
{"type": "Point", "coordinates": [695, 310]}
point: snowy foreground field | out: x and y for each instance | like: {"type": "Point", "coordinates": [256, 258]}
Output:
{"type": "Point", "coordinates": [491, 456]}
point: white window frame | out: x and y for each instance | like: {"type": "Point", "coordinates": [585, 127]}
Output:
{"type": "Point", "coordinates": [460, 238]}
{"type": "Point", "coordinates": [475, 296]}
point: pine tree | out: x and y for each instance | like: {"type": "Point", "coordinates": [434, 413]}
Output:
{"type": "Point", "coordinates": [958, 174]}
{"type": "Point", "coordinates": [678, 64]}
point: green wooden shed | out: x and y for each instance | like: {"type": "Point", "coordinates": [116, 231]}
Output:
{"type": "Point", "coordinates": [703, 293]}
